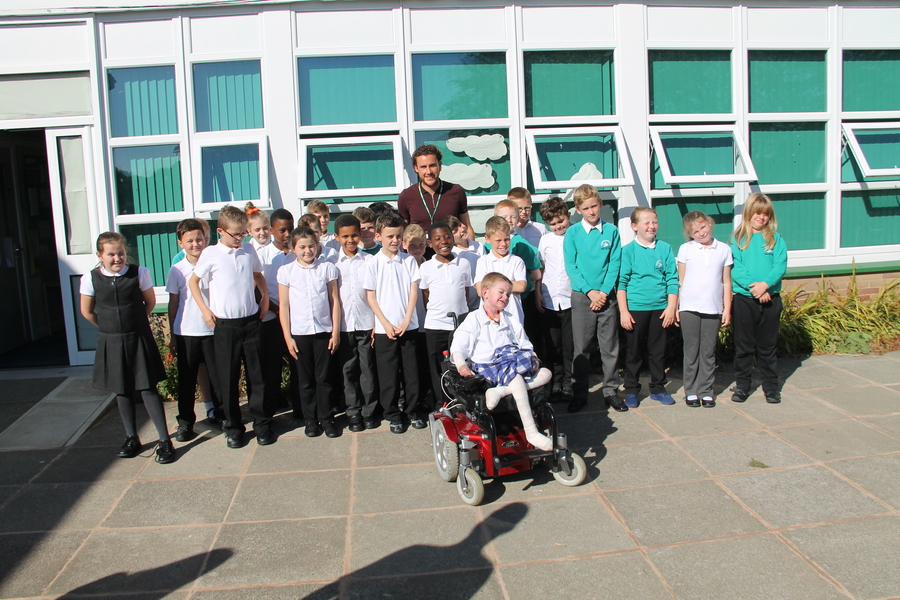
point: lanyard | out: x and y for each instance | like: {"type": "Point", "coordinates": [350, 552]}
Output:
{"type": "Point", "coordinates": [437, 203]}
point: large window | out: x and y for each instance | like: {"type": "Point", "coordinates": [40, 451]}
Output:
{"type": "Point", "coordinates": [569, 83]}
{"type": "Point", "coordinates": [464, 85]}
{"type": "Point", "coordinates": [871, 80]}
{"type": "Point", "coordinates": [228, 95]}
{"type": "Point", "coordinates": [569, 157]}
{"type": "Point", "coordinates": [787, 81]}
{"type": "Point", "coordinates": [700, 155]}
{"type": "Point", "coordinates": [690, 81]}
{"type": "Point", "coordinates": [142, 101]}
{"type": "Point", "coordinates": [337, 90]}
{"type": "Point", "coordinates": [341, 167]}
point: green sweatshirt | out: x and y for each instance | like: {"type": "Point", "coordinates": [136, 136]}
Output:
{"type": "Point", "coordinates": [648, 275]}
{"type": "Point", "coordinates": [758, 264]}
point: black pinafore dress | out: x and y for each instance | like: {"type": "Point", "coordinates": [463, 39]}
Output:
{"type": "Point", "coordinates": [127, 358]}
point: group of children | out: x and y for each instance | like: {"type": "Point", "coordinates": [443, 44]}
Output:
{"type": "Point", "coordinates": [362, 310]}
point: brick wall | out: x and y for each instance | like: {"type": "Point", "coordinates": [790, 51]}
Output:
{"type": "Point", "coordinates": [869, 284]}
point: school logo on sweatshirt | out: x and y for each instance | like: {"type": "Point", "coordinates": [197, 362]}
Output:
{"type": "Point", "coordinates": [605, 244]}
{"type": "Point", "coordinates": [659, 265]}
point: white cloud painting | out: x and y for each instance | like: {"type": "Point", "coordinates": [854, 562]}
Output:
{"type": "Point", "coordinates": [479, 147]}
{"type": "Point", "coordinates": [587, 171]}
{"type": "Point", "coordinates": [469, 177]}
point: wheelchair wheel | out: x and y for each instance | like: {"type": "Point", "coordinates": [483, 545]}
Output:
{"type": "Point", "coordinates": [446, 453]}
{"type": "Point", "coordinates": [475, 494]}
{"type": "Point", "coordinates": [578, 468]}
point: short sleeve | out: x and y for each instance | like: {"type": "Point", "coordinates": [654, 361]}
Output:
{"type": "Point", "coordinates": [370, 279]}
{"type": "Point", "coordinates": [87, 286]}
{"type": "Point", "coordinates": [203, 266]}
{"type": "Point", "coordinates": [331, 272]}
{"type": "Point", "coordinates": [682, 254]}
{"type": "Point", "coordinates": [480, 269]}
{"type": "Point", "coordinates": [283, 277]}
{"type": "Point", "coordinates": [255, 263]}
{"type": "Point", "coordinates": [413, 270]}
{"type": "Point", "coordinates": [424, 276]}
{"type": "Point", "coordinates": [144, 280]}
{"type": "Point", "coordinates": [519, 272]}
{"type": "Point", "coordinates": [174, 281]}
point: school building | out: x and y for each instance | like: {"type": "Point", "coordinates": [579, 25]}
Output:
{"type": "Point", "coordinates": [133, 117]}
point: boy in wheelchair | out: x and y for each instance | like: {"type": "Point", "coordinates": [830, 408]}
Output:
{"type": "Point", "coordinates": [493, 341]}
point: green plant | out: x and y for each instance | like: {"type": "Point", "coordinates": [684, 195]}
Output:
{"type": "Point", "coordinates": [168, 388]}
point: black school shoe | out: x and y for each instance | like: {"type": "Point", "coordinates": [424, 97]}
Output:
{"type": "Point", "coordinates": [184, 433]}
{"type": "Point", "coordinates": [692, 402]}
{"type": "Point", "coordinates": [356, 424]}
{"type": "Point", "coordinates": [265, 437]}
{"type": "Point", "coordinates": [773, 397]}
{"type": "Point", "coordinates": [739, 394]}
{"type": "Point", "coordinates": [398, 427]}
{"type": "Point", "coordinates": [313, 429]}
{"type": "Point", "coordinates": [331, 429]}
{"type": "Point", "coordinates": [615, 402]}
{"type": "Point", "coordinates": [165, 452]}
{"type": "Point", "coordinates": [130, 448]}
{"type": "Point", "coordinates": [418, 422]}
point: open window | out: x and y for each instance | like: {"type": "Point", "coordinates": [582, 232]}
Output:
{"type": "Point", "coordinates": [701, 154]}
{"type": "Point", "coordinates": [564, 158]}
{"type": "Point", "coordinates": [876, 147]}
{"type": "Point", "coordinates": [351, 167]}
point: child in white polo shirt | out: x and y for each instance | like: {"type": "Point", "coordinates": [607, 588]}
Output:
{"type": "Point", "coordinates": [392, 286]}
{"type": "Point", "coordinates": [311, 324]}
{"type": "Point", "coordinates": [495, 344]}
{"type": "Point", "coordinates": [231, 269]}
{"type": "Point", "coordinates": [704, 304]}
{"type": "Point", "coordinates": [446, 281]}
{"type": "Point", "coordinates": [501, 260]}
{"type": "Point", "coordinates": [192, 337]}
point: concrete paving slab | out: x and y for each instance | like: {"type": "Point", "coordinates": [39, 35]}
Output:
{"type": "Point", "coordinates": [475, 585]}
{"type": "Point", "coordinates": [175, 502]}
{"type": "Point", "coordinates": [77, 465]}
{"type": "Point", "coordinates": [861, 555]}
{"type": "Point", "coordinates": [30, 561]}
{"type": "Point", "coordinates": [204, 456]}
{"type": "Point", "coordinates": [865, 400]}
{"type": "Point", "coordinates": [876, 474]}
{"type": "Point", "coordinates": [76, 388]}
{"type": "Point", "coordinates": [57, 507]}
{"type": "Point", "coordinates": [795, 407]}
{"type": "Point", "coordinates": [21, 466]}
{"type": "Point", "coordinates": [755, 567]}
{"type": "Point", "coordinates": [817, 375]}
{"type": "Point", "coordinates": [559, 528]}
{"type": "Point", "coordinates": [48, 425]}
{"type": "Point", "coordinates": [801, 496]}
{"type": "Point", "coordinates": [697, 510]}
{"type": "Point", "coordinates": [7, 492]}
{"type": "Point", "coordinates": [534, 484]}
{"type": "Point", "coordinates": [405, 487]}
{"type": "Point", "coordinates": [281, 592]}
{"type": "Point", "coordinates": [646, 464]}
{"type": "Point", "coordinates": [593, 430]}
{"type": "Point", "coordinates": [107, 429]}
{"type": "Point", "coordinates": [381, 538]}
{"type": "Point", "coordinates": [279, 552]}
{"type": "Point", "coordinates": [28, 391]}
{"type": "Point", "coordinates": [142, 560]}
{"type": "Point", "coordinates": [680, 420]}
{"type": "Point", "coordinates": [889, 424]}
{"type": "Point", "coordinates": [625, 575]}
{"type": "Point", "coordinates": [379, 448]}
{"type": "Point", "coordinates": [878, 369]}
{"type": "Point", "coordinates": [742, 452]}
{"type": "Point", "coordinates": [838, 439]}
{"type": "Point", "coordinates": [291, 496]}
{"type": "Point", "coordinates": [12, 412]}
{"type": "Point", "coordinates": [303, 454]}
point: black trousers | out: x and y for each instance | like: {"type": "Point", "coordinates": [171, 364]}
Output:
{"type": "Point", "coordinates": [532, 322]}
{"type": "Point", "coordinates": [357, 362]}
{"type": "Point", "coordinates": [559, 349]}
{"type": "Point", "coordinates": [648, 332]}
{"type": "Point", "coordinates": [234, 338]}
{"type": "Point", "coordinates": [395, 359]}
{"type": "Point", "coordinates": [436, 341]}
{"type": "Point", "coordinates": [274, 351]}
{"type": "Point", "coordinates": [756, 331]}
{"type": "Point", "coordinates": [313, 364]}
{"type": "Point", "coordinates": [191, 352]}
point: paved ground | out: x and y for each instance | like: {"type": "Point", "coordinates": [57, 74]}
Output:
{"type": "Point", "coordinates": [790, 501]}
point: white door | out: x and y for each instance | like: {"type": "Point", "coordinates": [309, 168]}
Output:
{"type": "Point", "coordinates": [76, 223]}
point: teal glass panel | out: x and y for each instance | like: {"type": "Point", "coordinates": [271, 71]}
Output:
{"type": "Point", "coordinates": [344, 167]}
{"type": "Point", "coordinates": [142, 101]}
{"type": "Point", "coordinates": [562, 157]}
{"type": "Point", "coordinates": [882, 150]}
{"type": "Point", "coordinates": [801, 219]}
{"type": "Point", "coordinates": [465, 85]}
{"type": "Point", "coordinates": [466, 165]}
{"type": "Point", "coordinates": [871, 80]}
{"type": "Point", "coordinates": [788, 152]}
{"type": "Point", "coordinates": [228, 95]}
{"type": "Point", "coordinates": [152, 245]}
{"type": "Point", "coordinates": [690, 81]}
{"type": "Point", "coordinates": [564, 83]}
{"type": "Point", "coordinates": [671, 211]}
{"type": "Point", "coordinates": [870, 218]}
{"type": "Point", "coordinates": [787, 81]}
{"type": "Point", "coordinates": [230, 173]}
{"type": "Point", "coordinates": [338, 90]}
{"type": "Point", "coordinates": [696, 154]}
{"type": "Point", "coordinates": [148, 179]}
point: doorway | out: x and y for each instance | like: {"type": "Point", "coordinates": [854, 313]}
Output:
{"type": "Point", "coordinates": [34, 331]}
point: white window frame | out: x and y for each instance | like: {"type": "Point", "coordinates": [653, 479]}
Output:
{"type": "Point", "coordinates": [231, 138]}
{"type": "Point", "coordinates": [142, 142]}
{"type": "Point", "coordinates": [625, 170]}
{"type": "Point", "coordinates": [740, 143]}
{"type": "Point", "coordinates": [849, 130]}
{"type": "Point", "coordinates": [306, 143]}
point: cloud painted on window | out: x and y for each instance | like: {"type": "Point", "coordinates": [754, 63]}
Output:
{"type": "Point", "coordinates": [469, 177]}
{"type": "Point", "coordinates": [587, 171]}
{"type": "Point", "coordinates": [480, 147]}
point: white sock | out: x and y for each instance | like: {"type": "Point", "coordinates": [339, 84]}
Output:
{"type": "Point", "coordinates": [520, 393]}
